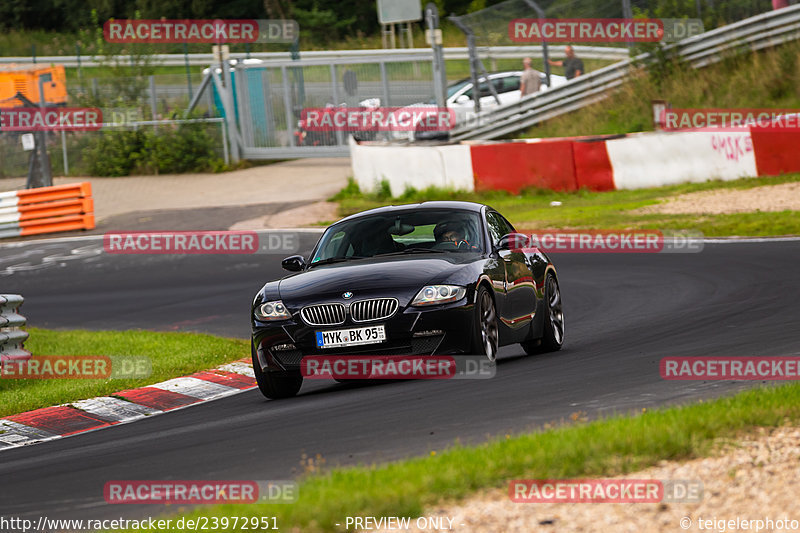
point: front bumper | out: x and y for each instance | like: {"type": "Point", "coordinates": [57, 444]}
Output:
{"type": "Point", "coordinates": [445, 329]}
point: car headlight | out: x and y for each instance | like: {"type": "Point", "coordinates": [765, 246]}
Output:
{"type": "Point", "coordinates": [439, 294]}
{"type": "Point", "coordinates": [272, 311]}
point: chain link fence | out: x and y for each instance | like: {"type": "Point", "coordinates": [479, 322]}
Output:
{"type": "Point", "coordinates": [142, 121]}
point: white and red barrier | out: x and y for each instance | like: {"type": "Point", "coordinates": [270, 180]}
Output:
{"type": "Point", "coordinates": [46, 210]}
{"type": "Point", "coordinates": [633, 161]}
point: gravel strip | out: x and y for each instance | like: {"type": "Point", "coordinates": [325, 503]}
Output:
{"type": "Point", "coordinates": [785, 196]}
{"type": "Point", "coordinates": [757, 478]}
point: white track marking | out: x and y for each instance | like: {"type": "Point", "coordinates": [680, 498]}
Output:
{"type": "Point", "coordinates": [196, 388]}
{"type": "Point", "coordinates": [114, 409]}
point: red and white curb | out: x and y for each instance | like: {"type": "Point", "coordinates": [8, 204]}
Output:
{"type": "Point", "coordinates": [126, 406]}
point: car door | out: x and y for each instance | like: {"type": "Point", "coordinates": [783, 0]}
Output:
{"type": "Point", "coordinates": [519, 288]}
{"type": "Point", "coordinates": [487, 98]}
{"type": "Point", "coordinates": [509, 89]}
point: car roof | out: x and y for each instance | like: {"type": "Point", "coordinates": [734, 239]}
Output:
{"type": "Point", "coordinates": [492, 76]}
{"type": "Point", "coordinates": [444, 204]}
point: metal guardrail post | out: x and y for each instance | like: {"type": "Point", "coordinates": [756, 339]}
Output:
{"type": "Point", "coordinates": [12, 338]}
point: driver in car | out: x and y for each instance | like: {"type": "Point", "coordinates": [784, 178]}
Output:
{"type": "Point", "coordinates": [451, 232]}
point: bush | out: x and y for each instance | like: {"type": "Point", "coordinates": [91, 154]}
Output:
{"type": "Point", "coordinates": [189, 148]}
{"type": "Point", "coordinates": [116, 153]}
{"type": "Point", "coordinates": [163, 150]}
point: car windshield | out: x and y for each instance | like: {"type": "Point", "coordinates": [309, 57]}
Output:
{"type": "Point", "coordinates": [453, 89]}
{"type": "Point", "coordinates": [405, 232]}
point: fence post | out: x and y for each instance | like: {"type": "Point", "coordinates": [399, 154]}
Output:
{"type": "Point", "coordinates": [153, 102]}
{"type": "Point", "coordinates": [335, 91]}
{"type": "Point", "coordinates": [64, 152]}
{"type": "Point", "coordinates": [385, 83]}
{"type": "Point", "coordinates": [287, 103]}
{"type": "Point", "coordinates": [188, 71]}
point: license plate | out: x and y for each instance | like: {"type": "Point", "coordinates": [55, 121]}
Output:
{"type": "Point", "coordinates": [350, 337]}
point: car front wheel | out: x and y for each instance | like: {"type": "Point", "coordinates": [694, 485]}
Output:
{"type": "Point", "coordinates": [276, 385]}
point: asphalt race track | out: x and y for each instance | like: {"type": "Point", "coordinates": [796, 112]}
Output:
{"type": "Point", "coordinates": [623, 313]}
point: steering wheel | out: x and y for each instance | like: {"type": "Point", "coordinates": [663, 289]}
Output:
{"type": "Point", "coordinates": [445, 245]}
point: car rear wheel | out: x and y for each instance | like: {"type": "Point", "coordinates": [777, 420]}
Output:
{"type": "Point", "coordinates": [485, 336]}
{"type": "Point", "coordinates": [276, 385]}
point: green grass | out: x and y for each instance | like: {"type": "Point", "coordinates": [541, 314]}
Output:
{"type": "Point", "coordinates": [613, 446]}
{"type": "Point", "coordinates": [172, 355]}
{"type": "Point", "coordinates": [598, 210]}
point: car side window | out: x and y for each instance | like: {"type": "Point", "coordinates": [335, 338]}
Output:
{"type": "Point", "coordinates": [495, 227]}
{"type": "Point", "coordinates": [508, 84]}
{"type": "Point", "coordinates": [498, 226]}
{"type": "Point", "coordinates": [507, 226]}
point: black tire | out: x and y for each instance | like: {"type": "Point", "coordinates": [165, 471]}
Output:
{"type": "Point", "coordinates": [485, 335]}
{"type": "Point", "coordinates": [276, 385]}
{"type": "Point", "coordinates": [553, 327]}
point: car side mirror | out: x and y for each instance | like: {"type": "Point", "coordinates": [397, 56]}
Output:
{"type": "Point", "coordinates": [462, 99]}
{"type": "Point", "coordinates": [294, 263]}
{"type": "Point", "coordinates": [513, 241]}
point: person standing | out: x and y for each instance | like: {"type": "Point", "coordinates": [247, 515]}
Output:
{"type": "Point", "coordinates": [573, 66]}
{"type": "Point", "coordinates": [529, 82]}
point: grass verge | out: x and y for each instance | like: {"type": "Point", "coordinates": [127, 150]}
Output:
{"type": "Point", "coordinates": [584, 209]}
{"type": "Point", "coordinates": [172, 355]}
{"type": "Point", "coordinates": [612, 446]}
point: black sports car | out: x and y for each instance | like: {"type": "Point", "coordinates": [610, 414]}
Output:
{"type": "Point", "coordinates": [426, 279]}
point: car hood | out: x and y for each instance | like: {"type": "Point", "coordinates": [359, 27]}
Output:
{"type": "Point", "coordinates": [401, 277]}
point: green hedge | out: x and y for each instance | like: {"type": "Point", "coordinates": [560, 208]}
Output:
{"type": "Point", "coordinates": [162, 150]}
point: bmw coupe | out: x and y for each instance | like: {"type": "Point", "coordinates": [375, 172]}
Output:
{"type": "Point", "coordinates": [433, 278]}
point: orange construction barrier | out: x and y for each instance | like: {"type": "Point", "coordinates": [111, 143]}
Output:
{"type": "Point", "coordinates": [46, 210]}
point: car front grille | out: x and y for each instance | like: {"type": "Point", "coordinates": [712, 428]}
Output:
{"type": "Point", "coordinates": [374, 309]}
{"type": "Point", "coordinates": [323, 315]}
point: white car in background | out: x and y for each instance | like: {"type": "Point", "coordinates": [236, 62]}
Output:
{"type": "Point", "coordinates": [506, 85]}
{"type": "Point", "coordinates": [460, 96]}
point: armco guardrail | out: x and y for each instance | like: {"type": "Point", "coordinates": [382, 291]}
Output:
{"type": "Point", "coordinates": [419, 54]}
{"type": "Point", "coordinates": [46, 210]}
{"type": "Point", "coordinates": [755, 33]}
{"type": "Point", "coordinates": [12, 337]}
